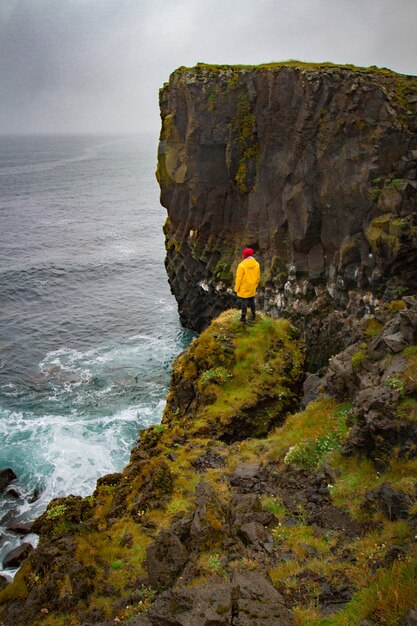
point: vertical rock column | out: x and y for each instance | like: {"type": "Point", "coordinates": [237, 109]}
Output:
{"type": "Point", "coordinates": [312, 166]}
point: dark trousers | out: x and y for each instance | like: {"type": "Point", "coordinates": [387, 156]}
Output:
{"type": "Point", "coordinates": [244, 302]}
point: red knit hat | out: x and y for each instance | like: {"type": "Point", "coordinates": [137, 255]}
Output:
{"type": "Point", "coordinates": [247, 252]}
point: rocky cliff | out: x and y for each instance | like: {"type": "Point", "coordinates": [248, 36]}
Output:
{"type": "Point", "coordinates": [314, 166]}
{"type": "Point", "coordinates": [239, 509]}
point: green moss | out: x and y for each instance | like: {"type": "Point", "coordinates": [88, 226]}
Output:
{"type": "Point", "coordinates": [267, 363]}
{"type": "Point", "coordinates": [408, 377]}
{"type": "Point", "coordinates": [56, 511]}
{"type": "Point", "coordinates": [396, 305]}
{"type": "Point", "coordinates": [407, 409]}
{"type": "Point", "coordinates": [355, 478]}
{"type": "Point", "coordinates": [275, 505]}
{"type": "Point", "coordinates": [372, 327]}
{"type": "Point", "coordinates": [300, 537]}
{"type": "Point", "coordinates": [243, 126]}
{"type": "Point", "coordinates": [302, 65]}
{"type": "Point", "coordinates": [318, 419]}
{"type": "Point", "coordinates": [278, 268]}
{"type": "Point", "coordinates": [223, 271]}
{"type": "Point", "coordinates": [235, 366]}
{"type": "Point", "coordinates": [387, 235]}
{"type": "Point", "coordinates": [358, 358]}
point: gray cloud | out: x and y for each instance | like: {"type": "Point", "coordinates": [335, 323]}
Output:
{"type": "Point", "coordinates": [97, 65]}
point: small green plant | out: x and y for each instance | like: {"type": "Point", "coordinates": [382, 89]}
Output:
{"type": "Point", "coordinates": [218, 375]}
{"type": "Point", "coordinates": [148, 595]}
{"type": "Point", "coordinates": [116, 566]}
{"type": "Point", "coordinates": [213, 563]}
{"type": "Point", "coordinates": [178, 504]}
{"type": "Point", "coordinates": [56, 511]}
{"type": "Point", "coordinates": [309, 454]}
{"type": "Point", "coordinates": [274, 505]}
{"type": "Point", "coordinates": [396, 383]}
{"type": "Point", "coordinates": [372, 554]}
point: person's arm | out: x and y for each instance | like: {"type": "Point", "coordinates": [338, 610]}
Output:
{"type": "Point", "coordinates": [239, 277]}
{"type": "Point", "coordinates": [258, 278]}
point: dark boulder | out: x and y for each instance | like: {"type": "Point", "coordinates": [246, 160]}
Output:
{"type": "Point", "coordinates": [206, 605]}
{"type": "Point", "coordinates": [257, 602]}
{"type": "Point", "coordinates": [7, 475]}
{"type": "Point", "coordinates": [15, 557]}
{"type": "Point", "coordinates": [248, 600]}
{"type": "Point", "coordinates": [246, 508]}
{"type": "Point", "coordinates": [392, 503]}
{"type": "Point", "coordinates": [254, 534]}
{"type": "Point", "coordinates": [311, 387]}
{"type": "Point", "coordinates": [211, 519]}
{"type": "Point", "coordinates": [13, 493]}
{"type": "Point", "coordinates": [165, 560]}
{"type": "Point", "coordinates": [20, 528]}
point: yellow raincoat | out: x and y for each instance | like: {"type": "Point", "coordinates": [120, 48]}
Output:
{"type": "Point", "coordinates": [247, 277]}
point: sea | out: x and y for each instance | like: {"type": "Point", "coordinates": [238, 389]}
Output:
{"type": "Point", "coordinates": [88, 326]}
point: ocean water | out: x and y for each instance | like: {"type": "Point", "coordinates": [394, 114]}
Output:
{"type": "Point", "coordinates": [88, 326]}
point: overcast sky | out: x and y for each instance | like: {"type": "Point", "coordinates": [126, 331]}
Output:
{"type": "Point", "coordinates": [97, 65]}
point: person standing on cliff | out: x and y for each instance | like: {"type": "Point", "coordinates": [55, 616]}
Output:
{"type": "Point", "coordinates": [247, 280]}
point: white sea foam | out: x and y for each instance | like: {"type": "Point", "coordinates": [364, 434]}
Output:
{"type": "Point", "coordinates": [66, 455]}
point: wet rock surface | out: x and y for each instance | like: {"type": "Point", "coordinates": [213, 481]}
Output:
{"type": "Point", "coordinates": [234, 168]}
{"type": "Point", "coordinates": [16, 556]}
{"type": "Point", "coordinates": [7, 476]}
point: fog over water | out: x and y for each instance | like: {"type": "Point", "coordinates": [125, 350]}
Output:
{"type": "Point", "coordinates": [97, 65]}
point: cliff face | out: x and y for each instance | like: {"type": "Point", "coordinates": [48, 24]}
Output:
{"type": "Point", "coordinates": [312, 166]}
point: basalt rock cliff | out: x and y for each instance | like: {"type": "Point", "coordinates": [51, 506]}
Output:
{"type": "Point", "coordinates": [314, 166]}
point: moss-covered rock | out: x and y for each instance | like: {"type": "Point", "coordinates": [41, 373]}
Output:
{"type": "Point", "coordinates": [236, 379]}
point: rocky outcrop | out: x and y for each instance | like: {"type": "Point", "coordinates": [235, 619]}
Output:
{"type": "Point", "coordinates": [313, 166]}
{"type": "Point", "coordinates": [378, 372]}
{"type": "Point", "coordinates": [238, 508]}
{"type": "Point", "coordinates": [220, 390]}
